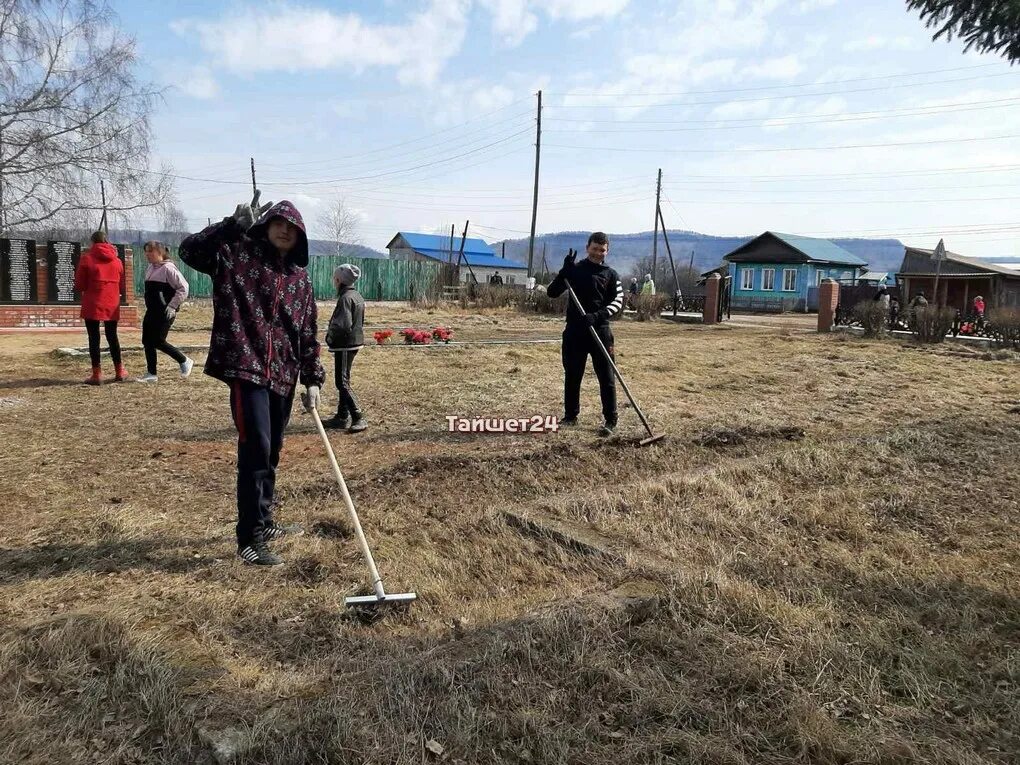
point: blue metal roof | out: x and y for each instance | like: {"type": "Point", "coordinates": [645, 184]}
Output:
{"type": "Point", "coordinates": [820, 249]}
{"type": "Point", "coordinates": [476, 251]}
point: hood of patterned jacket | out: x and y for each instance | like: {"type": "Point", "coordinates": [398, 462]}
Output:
{"type": "Point", "coordinates": [287, 211]}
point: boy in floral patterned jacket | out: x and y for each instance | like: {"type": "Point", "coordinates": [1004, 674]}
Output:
{"type": "Point", "coordinates": [263, 342]}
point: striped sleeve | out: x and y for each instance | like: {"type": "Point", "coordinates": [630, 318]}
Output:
{"type": "Point", "coordinates": [615, 306]}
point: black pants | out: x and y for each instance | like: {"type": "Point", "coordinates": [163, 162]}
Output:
{"type": "Point", "coordinates": [260, 417]}
{"type": "Point", "coordinates": [342, 377]}
{"type": "Point", "coordinates": [110, 327]}
{"type": "Point", "coordinates": [154, 332]}
{"type": "Point", "coordinates": [578, 344]}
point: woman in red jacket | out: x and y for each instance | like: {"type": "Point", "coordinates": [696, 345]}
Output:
{"type": "Point", "coordinates": [98, 280]}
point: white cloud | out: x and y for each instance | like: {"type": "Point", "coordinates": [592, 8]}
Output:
{"type": "Point", "coordinates": [194, 81]}
{"type": "Point", "coordinates": [783, 68]}
{"type": "Point", "coordinates": [806, 6]}
{"type": "Point", "coordinates": [880, 42]}
{"type": "Point", "coordinates": [581, 10]}
{"type": "Point", "coordinates": [293, 38]}
{"type": "Point", "coordinates": [514, 20]}
{"type": "Point", "coordinates": [681, 54]}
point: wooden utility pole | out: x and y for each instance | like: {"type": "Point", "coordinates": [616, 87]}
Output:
{"type": "Point", "coordinates": [940, 255]}
{"type": "Point", "coordinates": [102, 192]}
{"type": "Point", "coordinates": [253, 187]}
{"type": "Point", "coordinates": [453, 230]}
{"type": "Point", "coordinates": [460, 254]}
{"type": "Point", "coordinates": [658, 214]}
{"type": "Point", "coordinates": [545, 265]}
{"type": "Point", "coordinates": [676, 280]}
{"type": "Point", "coordinates": [534, 199]}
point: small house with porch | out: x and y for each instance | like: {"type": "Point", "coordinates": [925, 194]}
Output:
{"type": "Point", "coordinates": [782, 272]}
{"type": "Point", "coordinates": [478, 258]}
{"type": "Point", "coordinates": [961, 279]}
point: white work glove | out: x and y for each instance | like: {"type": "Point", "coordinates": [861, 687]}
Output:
{"type": "Point", "coordinates": [310, 398]}
{"type": "Point", "coordinates": [246, 214]}
{"type": "Point", "coordinates": [171, 313]}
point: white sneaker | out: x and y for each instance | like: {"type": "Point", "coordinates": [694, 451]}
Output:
{"type": "Point", "coordinates": [186, 366]}
{"type": "Point", "coordinates": [148, 377]}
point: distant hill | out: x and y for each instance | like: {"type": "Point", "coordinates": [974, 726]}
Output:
{"type": "Point", "coordinates": [315, 246]}
{"type": "Point", "coordinates": [626, 249]}
{"type": "Point", "coordinates": [324, 247]}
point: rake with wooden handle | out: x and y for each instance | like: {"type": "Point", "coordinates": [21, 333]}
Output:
{"type": "Point", "coordinates": [381, 597]}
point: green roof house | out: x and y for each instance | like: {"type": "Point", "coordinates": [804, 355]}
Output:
{"type": "Point", "coordinates": [782, 272]}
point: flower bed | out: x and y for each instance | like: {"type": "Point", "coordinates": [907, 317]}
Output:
{"type": "Point", "coordinates": [426, 336]}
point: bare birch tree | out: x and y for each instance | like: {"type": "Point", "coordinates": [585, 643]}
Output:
{"type": "Point", "coordinates": [341, 225]}
{"type": "Point", "coordinates": [71, 113]}
{"type": "Point", "coordinates": [175, 222]}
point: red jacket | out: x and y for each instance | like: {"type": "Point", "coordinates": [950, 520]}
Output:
{"type": "Point", "coordinates": [98, 280]}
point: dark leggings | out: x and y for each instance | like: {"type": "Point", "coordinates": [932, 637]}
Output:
{"type": "Point", "coordinates": [110, 327]}
{"type": "Point", "coordinates": [154, 332]}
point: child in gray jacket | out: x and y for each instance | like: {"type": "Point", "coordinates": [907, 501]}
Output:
{"type": "Point", "coordinates": [345, 337]}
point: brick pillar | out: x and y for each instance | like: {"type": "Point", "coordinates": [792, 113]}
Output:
{"type": "Point", "coordinates": [828, 299]}
{"type": "Point", "coordinates": [129, 276]}
{"type": "Point", "coordinates": [40, 272]}
{"type": "Point", "coordinates": [710, 314]}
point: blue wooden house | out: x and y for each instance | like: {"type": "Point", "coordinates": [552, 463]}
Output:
{"type": "Point", "coordinates": [782, 272]}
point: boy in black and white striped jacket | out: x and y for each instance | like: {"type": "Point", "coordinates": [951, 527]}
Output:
{"type": "Point", "coordinates": [600, 293]}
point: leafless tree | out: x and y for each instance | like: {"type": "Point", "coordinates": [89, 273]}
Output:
{"type": "Point", "coordinates": [71, 113]}
{"type": "Point", "coordinates": [175, 222]}
{"type": "Point", "coordinates": [341, 225]}
{"type": "Point", "coordinates": [663, 276]}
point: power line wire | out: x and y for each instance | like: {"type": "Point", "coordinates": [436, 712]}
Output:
{"type": "Point", "coordinates": [791, 148]}
{"type": "Point", "coordinates": [790, 85]}
{"type": "Point", "coordinates": [658, 105]}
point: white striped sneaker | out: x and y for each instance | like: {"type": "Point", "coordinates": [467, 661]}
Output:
{"type": "Point", "coordinates": [257, 554]}
{"type": "Point", "coordinates": [276, 531]}
{"type": "Point", "coordinates": [148, 377]}
{"type": "Point", "coordinates": [186, 366]}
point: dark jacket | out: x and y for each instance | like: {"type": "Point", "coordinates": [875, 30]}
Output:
{"type": "Point", "coordinates": [346, 330]}
{"type": "Point", "coordinates": [596, 286]}
{"type": "Point", "coordinates": [98, 279]}
{"type": "Point", "coordinates": [264, 310]}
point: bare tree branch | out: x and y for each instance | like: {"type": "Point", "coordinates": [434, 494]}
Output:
{"type": "Point", "coordinates": [340, 223]}
{"type": "Point", "coordinates": [71, 113]}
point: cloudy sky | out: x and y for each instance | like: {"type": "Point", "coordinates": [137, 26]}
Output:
{"type": "Point", "coordinates": [817, 117]}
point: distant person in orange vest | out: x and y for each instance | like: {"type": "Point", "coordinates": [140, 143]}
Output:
{"type": "Point", "coordinates": [98, 279]}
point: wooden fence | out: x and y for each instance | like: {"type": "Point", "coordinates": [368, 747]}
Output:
{"type": "Point", "coordinates": [381, 279]}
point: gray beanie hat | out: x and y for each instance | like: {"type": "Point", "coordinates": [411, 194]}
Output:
{"type": "Point", "coordinates": [346, 274]}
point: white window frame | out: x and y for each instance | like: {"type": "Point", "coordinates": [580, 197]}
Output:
{"type": "Point", "coordinates": [743, 279]}
{"type": "Point", "coordinates": [819, 275]}
{"type": "Point", "coordinates": [790, 271]}
{"type": "Point", "coordinates": [765, 274]}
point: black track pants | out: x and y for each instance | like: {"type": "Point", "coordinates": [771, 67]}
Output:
{"type": "Point", "coordinates": [260, 416]}
{"type": "Point", "coordinates": [154, 332]}
{"type": "Point", "coordinates": [578, 344]}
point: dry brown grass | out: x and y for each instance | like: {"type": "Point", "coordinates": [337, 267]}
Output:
{"type": "Point", "coordinates": [823, 553]}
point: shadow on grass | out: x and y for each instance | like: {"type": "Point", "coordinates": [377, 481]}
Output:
{"type": "Point", "coordinates": [40, 382]}
{"type": "Point", "coordinates": [162, 555]}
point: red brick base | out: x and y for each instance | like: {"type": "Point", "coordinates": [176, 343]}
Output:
{"type": "Point", "coordinates": [29, 316]}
